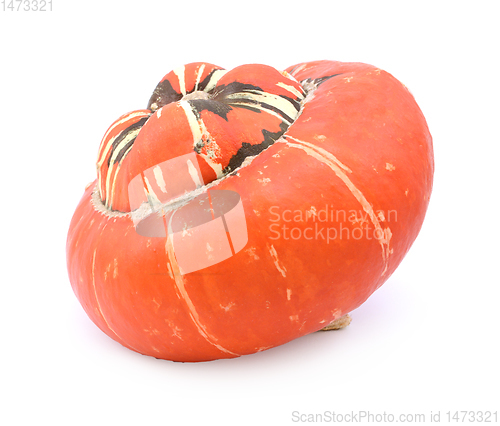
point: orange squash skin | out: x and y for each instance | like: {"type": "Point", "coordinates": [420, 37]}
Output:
{"type": "Point", "coordinates": [359, 144]}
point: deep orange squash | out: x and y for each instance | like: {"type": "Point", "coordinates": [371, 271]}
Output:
{"type": "Point", "coordinates": [243, 209]}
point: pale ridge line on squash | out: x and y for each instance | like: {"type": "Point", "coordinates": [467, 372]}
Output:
{"type": "Point", "coordinates": [216, 76]}
{"type": "Point", "coordinates": [199, 130]}
{"type": "Point", "coordinates": [111, 191]}
{"type": "Point", "coordinates": [105, 149]}
{"type": "Point", "coordinates": [182, 292]}
{"type": "Point", "coordinates": [180, 73]}
{"type": "Point", "coordinates": [323, 152]}
{"type": "Point", "coordinates": [160, 179]}
{"type": "Point", "coordinates": [122, 145]}
{"type": "Point", "coordinates": [193, 172]}
{"type": "Point", "coordinates": [199, 73]}
{"type": "Point", "coordinates": [95, 293]}
{"type": "Point", "coordinates": [99, 304]}
{"type": "Point", "coordinates": [150, 193]}
{"type": "Point", "coordinates": [263, 109]}
{"type": "Point", "coordinates": [281, 268]}
{"type": "Point", "coordinates": [382, 235]}
{"type": "Point", "coordinates": [291, 89]}
{"type": "Point", "coordinates": [261, 97]}
{"type": "Point", "coordinates": [113, 170]}
{"type": "Point", "coordinates": [298, 68]}
{"type": "Point", "coordinates": [195, 127]}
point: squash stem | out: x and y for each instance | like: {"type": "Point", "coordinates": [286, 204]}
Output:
{"type": "Point", "coordinates": [339, 323]}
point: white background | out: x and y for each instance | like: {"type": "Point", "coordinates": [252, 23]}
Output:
{"type": "Point", "coordinates": [426, 341]}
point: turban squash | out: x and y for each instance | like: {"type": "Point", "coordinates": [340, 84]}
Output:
{"type": "Point", "coordinates": [245, 208]}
